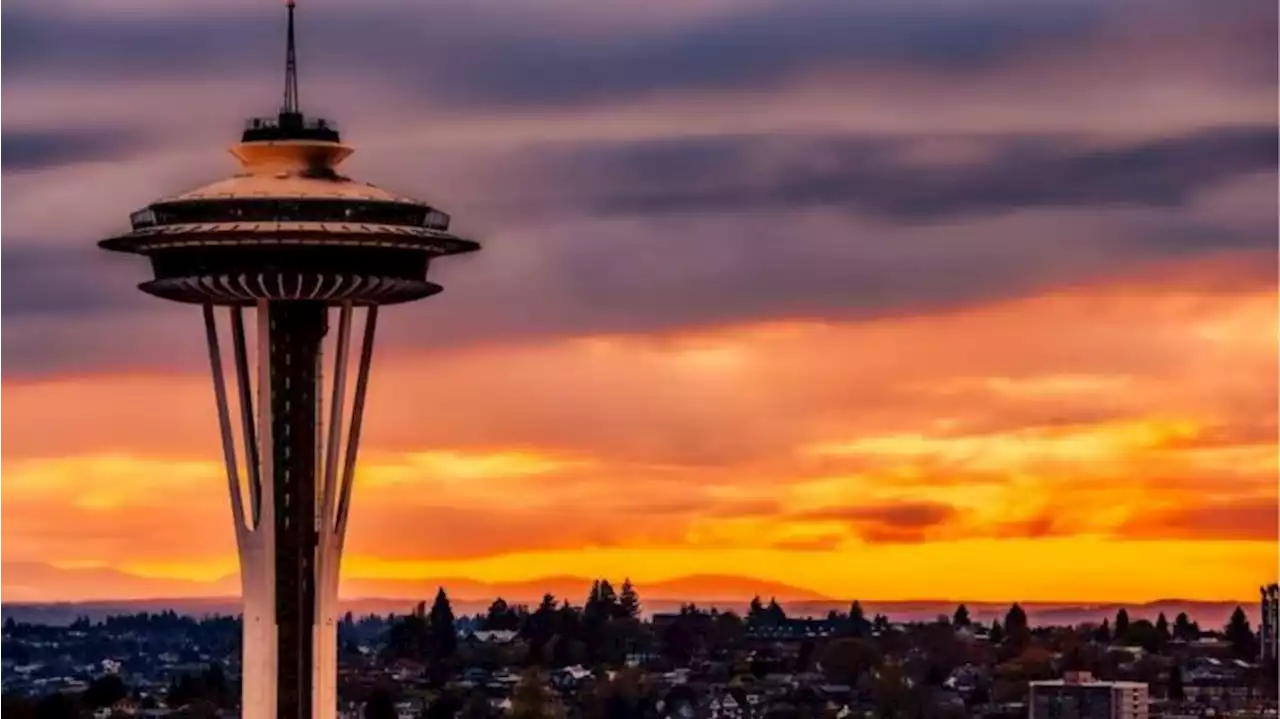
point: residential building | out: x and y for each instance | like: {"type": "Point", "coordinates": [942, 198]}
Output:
{"type": "Point", "coordinates": [1079, 696]}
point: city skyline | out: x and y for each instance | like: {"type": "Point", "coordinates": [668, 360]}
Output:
{"type": "Point", "coordinates": [868, 320]}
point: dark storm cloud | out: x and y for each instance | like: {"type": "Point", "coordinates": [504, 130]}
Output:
{"type": "Point", "coordinates": [756, 49]}
{"type": "Point", "coordinates": [62, 280]}
{"type": "Point", "coordinates": [893, 237]}
{"type": "Point", "coordinates": [656, 234]}
{"type": "Point", "coordinates": [469, 54]}
{"type": "Point", "coordinates": [864, 176]}
{"type": "Point", "coordinates": [829, 227]}
{"type": "Point", "coordinates": [552, 55]}
{"type": "Point", "coordinates": [32, 149]}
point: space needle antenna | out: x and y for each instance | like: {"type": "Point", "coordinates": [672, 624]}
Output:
{"type": "Point", "coordinates": [290, 69]}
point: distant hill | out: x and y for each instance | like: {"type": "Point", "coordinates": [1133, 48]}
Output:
{"type": "Point", "coordinates": [1211, 615]}
{"type": "Point", "coordinates": [26, 583]}
{"type": "Point", "coordinates": [695, 588]}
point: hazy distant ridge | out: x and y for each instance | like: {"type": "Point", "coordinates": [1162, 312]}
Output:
{"type": "Point", "coordinates": [471, 596]}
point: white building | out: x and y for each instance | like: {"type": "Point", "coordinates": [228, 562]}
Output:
{"type": "Point", "coordinates": [1079, 696]}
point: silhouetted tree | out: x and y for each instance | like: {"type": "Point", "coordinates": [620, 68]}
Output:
{"type": "Point", "coordinates": [857, 625]}
{"type": "Point", "coordinates": [1143, 633]}
{"type": "Point", "coordinates": [996, 636]}
{"type": "Point", "coordinates": [1016, 629]}
{"type": "Point", "coordinates": [1122, 625]}
{"type": "Point", "coordinates": [540, 627]}
{"type": "Point", "coordinates": [608, 597]}
{"type": "Point", "coordinates": [1162, 627]}
{"type": "Point", "coordinates": [407, 637]}
{"type": "Point", "coordinates": [104, 691]}
{"type": "Point", "coordinates": [1102, 634]}
{"type": "Point", "coordinates": [629, 601]}
{"type": "Point", "coordinates": [502, 616]}
{"type": "Point", "coordinates": [727, 631]}
{"type": "Point", "coordinates": [880, 623]}
{"type": "Point", "coordinates": [961, 617]}
{"type": "Point", "coordinates": [1185, 629]}
{"type": "Point", "coordinates": [442, 635]}
{"type": "Point", "coordinates": [774, 612]}
{"type": "Point", "coordinates": [1243, 642]}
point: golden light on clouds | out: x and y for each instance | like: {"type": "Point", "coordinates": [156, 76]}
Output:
{"type": "Point", "coordinates": [1122, 448]}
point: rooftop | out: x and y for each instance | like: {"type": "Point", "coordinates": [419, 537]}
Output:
{"type": "Point", "coordinates": [285, 184]}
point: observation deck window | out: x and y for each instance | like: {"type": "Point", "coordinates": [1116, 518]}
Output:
{"type": "Point", "coordinates": [372, 212]}
{"type": "Point", "coordinates": [289, 126]}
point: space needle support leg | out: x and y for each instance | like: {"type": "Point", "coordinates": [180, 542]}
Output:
{"type": "Point", "coordinates": [224, 420]}
{"type": "Point", "coordinates": [357, 416]}
{"type": "Point", "coordinates": [246, 415]}
{"type": "Point", "coordinates": [333, 446]}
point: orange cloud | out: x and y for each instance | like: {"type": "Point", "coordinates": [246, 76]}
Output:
{"type": "Point", "coordinates": [1131, 420]}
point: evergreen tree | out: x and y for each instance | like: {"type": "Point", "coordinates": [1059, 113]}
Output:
{"type": "Point", "coordinates": [593, 597]}
{"type": "Point", "coordinates": [502, 616]}
{"type": "Point", "coordinates": [608, 597]}
{"type": "Point", "coordinates": [1102, 634]}
{"type": "Point", "coordinates": [1243, 642]}
{"type": "Point", "coordinates": [857, 624]}
{"type": "Point", "coordinates": [407, 637]}
{"type": "Point", "coordinates": [629, 600]}
{"type": "Point", "coordinates": [774, 612]}
{"type": "Point", "coordinates": [442, 635]}
{"type": "Point", "coordinates": [1122, 625]}
{"type": "Point", "coordinates": [997, 632]}
{"type": "Point", "coordinates": [1184, 629]}
{"type": "Point", "coordinates": [961, 617]}
{"type": "Point", "coordinates": [1162, 627]}
{"type": "Point", "coordinates": [1016, 629]}
{"type": "Point", "coordinates": [880, 624]}
{"type": "Point", "coordinates": [755, 612]}
{"type": "Point", "coordinates": [1015, 620]}
{"type": "Point", "coordinates": [104, 691]}
{"type": "Point", "coordinates": [496, 614]}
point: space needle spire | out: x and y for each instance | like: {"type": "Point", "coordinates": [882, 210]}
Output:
{"type": "Point", "coordinates": [290, 105]}
{"type": "Point", "coordinates": [309, 256]}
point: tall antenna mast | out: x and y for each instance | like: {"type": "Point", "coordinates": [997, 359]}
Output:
{"type": "Point", "coordinates": [290, 71]}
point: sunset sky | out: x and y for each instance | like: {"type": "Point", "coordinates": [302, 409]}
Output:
{"type": "Point", "coordinates": [934, 299]}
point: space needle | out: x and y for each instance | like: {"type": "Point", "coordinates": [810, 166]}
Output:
{"type": "Point", "coordinates": [291, 239]}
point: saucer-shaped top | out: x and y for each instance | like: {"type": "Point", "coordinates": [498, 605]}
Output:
{"type": "Point", "coordinates": [289, 227]}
